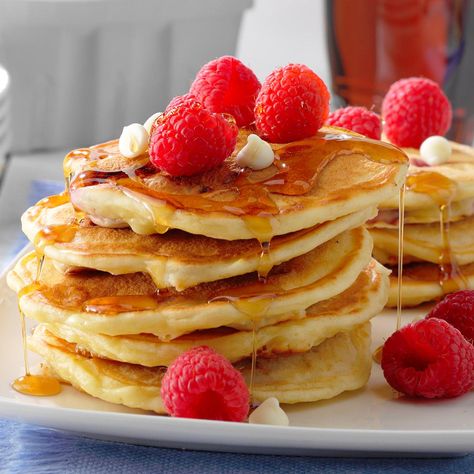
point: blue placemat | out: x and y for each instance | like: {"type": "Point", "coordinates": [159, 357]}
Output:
{"type": "Point", "coordinates": [30, 449]}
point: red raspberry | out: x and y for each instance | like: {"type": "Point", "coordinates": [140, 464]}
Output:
{"type": "Point", "coordinates": [226, 85]}
{"type": "Point", "coordinates": [357, 119]}
{"type": "Point", "coordinates": [189, 140]}
{"type": "Point", "coordinates": [413, 110]}
{"type": "Point", "coordinates": [458, 310]}
{"type": "Point", "coordinates": [429, 358]}
{"type": "Point", "coordinates": [180, 100]}
{"type": "Point", "coordinates": [292, 104]}
{"type": "Point", "coordinates": [202, 384]}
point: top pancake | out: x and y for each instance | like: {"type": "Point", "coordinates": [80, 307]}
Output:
{"type": "Point", "coordinates": [312, 181]}
{"type": "Point", "coordinates": [459, 169]}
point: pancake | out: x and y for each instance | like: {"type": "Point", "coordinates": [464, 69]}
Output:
{"type": "Point", "coordinates": [388, 218]}
{"type": "Point", "coordinates": [421, 283]}
{"type": "Point", "coordinates": [459, 169]}
{"type": "Point", "coordinates": [355, 306]}
{"type": "Point", "coordinates": [424, 242]}
{"type": "Point", "coordinates": [314, 180]}
{"type": "Point", "coordinates": [175, 259]}
{"type": "Point", "coordinates": [129, 304]}
{"type": "Point", "coordinates": [340, 363]}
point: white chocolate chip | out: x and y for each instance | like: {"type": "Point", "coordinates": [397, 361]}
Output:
{"type": "Point", "coordinates": [133, 141]}
{"type": "Point", "coordinates": [149, 122]}
{"type": "Point", "coordinates": [269, 413]}
{"type": "Point", "coordinates": [435, 150]}
{"type": "Point", "coordinates": [256, 154]}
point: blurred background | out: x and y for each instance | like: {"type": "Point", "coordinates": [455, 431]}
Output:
{"type": "Point", "coordinates": [79, 70]}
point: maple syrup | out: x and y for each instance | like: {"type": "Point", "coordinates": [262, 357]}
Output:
{"type": "Point", "coordinates": [442, 190]}
{"type": "Point", "coordinates": [241, 192]}
{"type": "Point", "coordinates": [377, 354]}
{"type": "Point", "coordinates": [37, 385]}
{"type": "Point", "coordinates": [256, 308]}
{"type": "Point", "coordinates": [401, 227]}
{"type": "Point", "coordinates": [251, 302]}
{"type": "Point", "coordinates": [451, 278]}
{"type": "Point", "coordinates": [265, 262]}
{"type": "Point", "coordinates": [110, 305]}
{"type": "Point", "coordinates": [50, 234]}
{"type": "Point", "coordinates": [28, 384]}
{"type": "Point", "coordinates": [50, 202]}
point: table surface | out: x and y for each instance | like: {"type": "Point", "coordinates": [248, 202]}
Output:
{"type": "Point", "coordinates": [25, 448]}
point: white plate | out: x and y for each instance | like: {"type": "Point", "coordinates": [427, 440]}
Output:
{"type": "Point", "coordinates": [372, 421]}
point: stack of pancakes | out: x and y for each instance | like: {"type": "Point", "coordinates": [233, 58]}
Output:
{"type": "Point", "coordinates": [271, 268]}
{"type": "Point", "coordinates": [438, 244]}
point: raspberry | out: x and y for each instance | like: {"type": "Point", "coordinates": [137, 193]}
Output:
{"type": "Point", "coordinates": [226, 85]}
{"type": "Point", "coordinates": [413, 110]}
{"type": "Point", "coordinates": [429, 358]}
{"type": "Point", "coordinates": [292, 104]}
{"type": "Point", "coordinates": [180, 100]}
{"type": "Point", "coordinates": [357, 119]}
{"type": "Point", "coordinates": [202, 384]}
{"type": "Point", "coordinates": [189, 139]}
{"type": "Point", "coordinates": [458, 310]}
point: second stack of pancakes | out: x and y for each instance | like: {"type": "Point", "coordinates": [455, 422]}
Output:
{"type": "Point", "coordinates": [274, 265]}
{"type": "Point", "coordinates": [438, 244]}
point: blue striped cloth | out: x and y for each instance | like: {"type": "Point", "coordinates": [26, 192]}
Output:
{"type": "Point", "coordinates": [28, 449]}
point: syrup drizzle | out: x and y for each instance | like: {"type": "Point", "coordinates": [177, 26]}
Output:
{"type": "Point", "coordinates": [442, 190]}
{"type": "Point", "coordinates": [377, 354]}
{"type": "Point", "coordinates": [240, 192]}
{"type": "Point", "coordinates": [28, 384]}
{"type": "Point", "coordinates": [401, 226]}
{"type": "Point", "coordinates": [256, 307]}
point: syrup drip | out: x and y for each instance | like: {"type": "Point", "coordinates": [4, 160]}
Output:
{"type": "Point", "coordinates": [61, 233]}
{"type": "Point", "coordinates": [256, 307]}
{"type": "Point", "coordinates": [265, 263]}
{"type": "Point", "coordinates": [110, 305]}
{"type": "Point", "coordinates": [442, 190]}
{"type": "Point", "coordinates": [401, 226]}
{"type": "Point", "coordinates": [28, 384]}
{"type": "Point", "coordinates": [50, 202]}
{"type": "Point", "coordinates": [451, 278]}
{"type": "Point", "coordinates": [377, 354]}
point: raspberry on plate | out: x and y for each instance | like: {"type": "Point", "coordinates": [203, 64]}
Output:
{"type": "Point", "coordinates": [292, 104]}
{"type": "Point", "coordinates": [415, 109]}
{"type": "Point", "coordinates": [458, 310]}
{"type": "Point", "coordinates": [429, 358]}
{"type": "Point", "coordinates": [226, 85]}
{"type": "Point", "coordinates": [203, 384]}
{"type": "Point", "coordinates": [189, 139]}
{"type": "Point", "coordinates": [357, 119]}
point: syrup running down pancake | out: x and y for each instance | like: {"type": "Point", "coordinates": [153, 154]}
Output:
{"type": "Point", "coordinates": [175, 259]}
{"type": "Point", "coordinates": [130, 304]}
{"type": "Point", "coordinates": [312, 181]}
{"type": "Point", "coordinates": [354, 306]}
{"type": "Point", "coordinates": [438, 244]}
